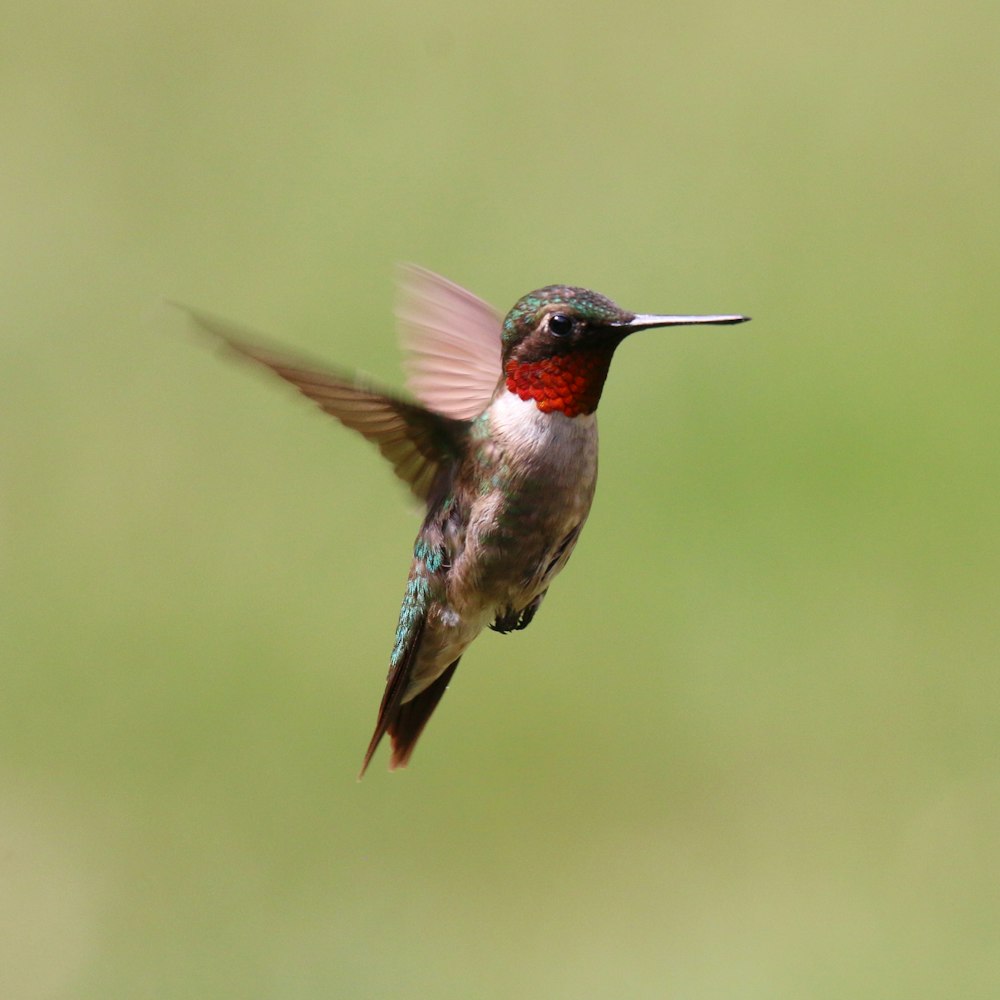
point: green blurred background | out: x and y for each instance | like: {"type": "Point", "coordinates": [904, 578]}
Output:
{"type": "Point", "coordinates": [749, 747]}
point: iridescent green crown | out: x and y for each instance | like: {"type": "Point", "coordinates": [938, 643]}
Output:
{"type": "Point", "coordinates": [588, 305]}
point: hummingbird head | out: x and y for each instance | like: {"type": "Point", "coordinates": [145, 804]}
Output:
{"type": "Point", "coordinates": [558, 342]}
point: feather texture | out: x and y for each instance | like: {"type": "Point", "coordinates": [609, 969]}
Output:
{"type": "Point", "coordinates": [416, 442]}
{"type": "Point", "coordinates": [452, 341]}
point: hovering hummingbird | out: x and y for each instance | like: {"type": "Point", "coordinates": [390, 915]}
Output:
{"type": "Point", "coordinates": [502, 449]}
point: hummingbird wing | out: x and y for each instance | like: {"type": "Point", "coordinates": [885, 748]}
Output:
{"type": "Point", "coordinates": [452, 339]}
{"type": "Point", "coordinates": [417, 442]}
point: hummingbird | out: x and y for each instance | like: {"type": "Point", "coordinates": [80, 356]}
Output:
{"type": "Point", "coordinates": [500, 447]}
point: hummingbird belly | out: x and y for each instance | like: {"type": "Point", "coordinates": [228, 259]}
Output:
{"type": "Point", "coordinates": [521, 498]}
{"type": "Point", "coordinates": [536, 473]}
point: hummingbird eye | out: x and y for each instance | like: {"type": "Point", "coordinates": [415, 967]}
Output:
{"type": "Point", "coordinates": [560, 325]}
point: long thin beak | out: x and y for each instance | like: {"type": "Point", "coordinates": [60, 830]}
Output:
{"type": "Point", "coordinates": [645, 322]}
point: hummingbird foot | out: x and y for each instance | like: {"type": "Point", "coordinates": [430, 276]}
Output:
{"type": "Point", "coordinates": [515, 621]}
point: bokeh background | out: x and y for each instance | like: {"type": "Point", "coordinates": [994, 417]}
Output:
{"type": "Point", "coordinates": [749, 748]}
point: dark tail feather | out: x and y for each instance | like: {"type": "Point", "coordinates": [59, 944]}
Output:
{"type": "Point", "coordinates": [406, 727]}
{"type": "Point", "coordinates": [404, 723]}
{"type": "Point", "coordinates": [395, 688]}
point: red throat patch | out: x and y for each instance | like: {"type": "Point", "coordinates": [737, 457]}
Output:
{"type": "Point", "coordinates": [570, 383]}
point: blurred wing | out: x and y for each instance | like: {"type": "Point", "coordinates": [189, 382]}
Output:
{"type": "Point", "coordinates": [452, 340]}
{"type": "Point", "coordinates": [417, 442]}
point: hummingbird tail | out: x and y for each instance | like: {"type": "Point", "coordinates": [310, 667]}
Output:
{"type": "Point", "coordinates": [405, 721]}
{"type": "Point", "coordinates": [411, 717]}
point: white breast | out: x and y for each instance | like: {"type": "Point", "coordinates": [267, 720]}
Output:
{"type": "Point", "coordinates": [544, 466]}
{"type": "Point", "coordinates": [564, 447]}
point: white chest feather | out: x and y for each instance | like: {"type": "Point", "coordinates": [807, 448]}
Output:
{"type": "Point", "coordinates": [537, 474]}
{"type": "Point", "coordinates": [552, 444]}
{"type": "Point", "coordinates": [543, 468]}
